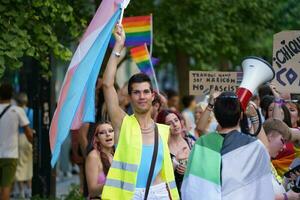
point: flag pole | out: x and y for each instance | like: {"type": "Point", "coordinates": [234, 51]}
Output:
{"type": "Point", "coordinates": [151, 42]}
{"type": "Point", "coordinates": [153, 72]}
{"type": "Point", "coordinates": [124, 5]}
{"type": "Point", "coordinates": [121, 17]}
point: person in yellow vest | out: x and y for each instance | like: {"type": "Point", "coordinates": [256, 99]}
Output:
{"type": "Point", "coordinates": [135, 138]}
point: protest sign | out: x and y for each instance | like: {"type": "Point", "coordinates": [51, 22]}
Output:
{"type": "Point", "coordinates": [202, 82]}
{"type": "Point", "coordinates": [286, 61]}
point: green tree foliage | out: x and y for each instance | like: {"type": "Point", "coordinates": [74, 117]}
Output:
{"type": "Point", "coordinates": [38, 29]}
{"type": "Point", "coordinates": [216, 34]}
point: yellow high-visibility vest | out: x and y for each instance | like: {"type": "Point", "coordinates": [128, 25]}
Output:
{"type": "Point", "coordinates": [122, 176]}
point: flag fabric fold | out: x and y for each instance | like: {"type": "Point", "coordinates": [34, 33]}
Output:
{"type": "Point", "coordinates": [76, 103]}
{"type": "Point", "coordinates": [140, 55]}
{"type": "Point", "coordinates": [229, 167]}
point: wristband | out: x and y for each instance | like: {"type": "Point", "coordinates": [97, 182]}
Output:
{"type": "Point", "coordinates": [117, 54]}
{"type": "Point", "coordinates": [254, 120]}
{"type": "Point", "coordinates": [279, 102]}
{"type": "Point", "coordinates": [285, 197]}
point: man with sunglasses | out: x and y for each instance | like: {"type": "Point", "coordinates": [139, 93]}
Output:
{"type": "Point", "coordinates": [228, 164]}
{"type": "Point", "coordinates": [135, 172]}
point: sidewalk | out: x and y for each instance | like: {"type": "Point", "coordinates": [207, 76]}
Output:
{"type": "Point", "coordinates": [63, 185]}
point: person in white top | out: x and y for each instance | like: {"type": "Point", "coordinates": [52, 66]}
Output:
{"type": "Point", "coordinates": [278, 133]}
{"type": "Point", "coordinates": [11, 118]}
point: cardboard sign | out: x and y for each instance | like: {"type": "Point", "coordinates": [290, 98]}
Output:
{"type": "Point", "coordinates": [202, 82]}
{"type": "Point", "coordinates": [286, 61]}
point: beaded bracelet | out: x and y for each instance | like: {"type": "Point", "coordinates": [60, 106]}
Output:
{"type": "Point", "coordinates": [254, 120]}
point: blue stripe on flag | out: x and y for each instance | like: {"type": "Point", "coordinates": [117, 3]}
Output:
{"type": "Point", "coordinates": [82, 79]}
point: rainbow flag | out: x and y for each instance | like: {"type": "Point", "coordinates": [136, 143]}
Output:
{"type": "Point", "coordinates": [77, 96]}
{"type": "Point", "coordinates": [138, 31]}
{"type": "Point", "coordinates": [141, 57]}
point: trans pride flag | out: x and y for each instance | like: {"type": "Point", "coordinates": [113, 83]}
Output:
{"type": "Point", "coordinates": [141, 57]}
{"type": "Point", "coordinates": [77, 96]}
{"type": "Point", "coordinates": [138, 31]}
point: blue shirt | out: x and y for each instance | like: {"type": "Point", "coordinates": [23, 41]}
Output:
{"type": "Point", "coordinates": [29, 114]}
{"type": "Point", "coordinates": [144, 168]}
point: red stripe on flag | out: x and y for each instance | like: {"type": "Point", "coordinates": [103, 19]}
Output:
{"type": "Point", "coordinates": [136, 18]}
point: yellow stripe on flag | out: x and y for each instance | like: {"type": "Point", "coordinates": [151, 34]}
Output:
{"type": "Point", "coordinates": [141, 58]}
{"type": "Point", "coordinates": [137, 29]}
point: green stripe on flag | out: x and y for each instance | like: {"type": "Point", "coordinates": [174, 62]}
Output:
{"type": "Point", "coordinates": [213, 141]}
{"type": "Point", "coordinates": [205, 158]}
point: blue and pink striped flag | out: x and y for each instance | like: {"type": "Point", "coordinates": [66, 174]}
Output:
{"type": "Point", "coordinates": [76, 103]}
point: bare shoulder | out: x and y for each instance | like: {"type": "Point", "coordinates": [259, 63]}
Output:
{"type": "Point", "coordinates": [94, 154]}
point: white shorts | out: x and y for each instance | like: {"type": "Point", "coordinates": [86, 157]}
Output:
{"type": "Point", "coordinates": [156, 192]}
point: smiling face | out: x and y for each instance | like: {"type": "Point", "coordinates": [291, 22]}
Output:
{"type": "Point", "coordinates": [105, 135]}
{"type": "Point", "coordinates": [141, 97]}
{"type": "Point", "coordinates": [174, 123]}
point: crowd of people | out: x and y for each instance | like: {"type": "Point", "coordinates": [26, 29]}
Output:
{"type": "Point", "coordinates": [210, 150]}
{"type": "Point", "coordinates": [16, 135]}
{"type": "Point", "coordinates": [143, 147]}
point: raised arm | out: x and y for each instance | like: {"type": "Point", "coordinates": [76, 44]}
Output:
{"type": "Point", "coordinates": [277, 114]}
{"type": "Point", "coordinates": [115, 112]}
{"type": "Point", "coordinates": [202, 123]}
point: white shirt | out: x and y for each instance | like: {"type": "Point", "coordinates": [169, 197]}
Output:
{"type": "Point", "coordinates": [278, 187]}
{"type": "Point", "coordinates": [10, 122]}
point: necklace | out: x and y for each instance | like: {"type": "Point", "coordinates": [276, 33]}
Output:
{"type": "Point", "coordinates": [148, 130]}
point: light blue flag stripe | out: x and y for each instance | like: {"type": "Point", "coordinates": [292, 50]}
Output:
{"type": "Point", "coordinates": [80, 81]}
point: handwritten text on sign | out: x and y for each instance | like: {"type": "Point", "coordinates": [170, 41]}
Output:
{"type": "Point", "coordinates": [202, 82]}
{"type": "Point", "coordinates": [286, 61]}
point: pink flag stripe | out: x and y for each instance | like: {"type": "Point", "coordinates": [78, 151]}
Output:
{"type": "Point", "coordinates": [62, 97]}
{"type": "Point", "coordinates": [78, 116]}
{"type": "Point", "coordinates": [102, 16]}
{"type": "Point", "coordinates": [106, 10]}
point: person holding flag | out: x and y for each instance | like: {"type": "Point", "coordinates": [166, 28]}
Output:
{"type": "Point", "coordinates": [132, 174]}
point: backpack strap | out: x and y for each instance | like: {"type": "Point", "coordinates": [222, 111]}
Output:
{"type": "Point", "coordinates": [4, 111]}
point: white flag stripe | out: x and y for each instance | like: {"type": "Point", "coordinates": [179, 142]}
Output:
{"type": "Point", "coordinates": [247, 169]}
{"type": "Point", "coordinates": [190, 189]}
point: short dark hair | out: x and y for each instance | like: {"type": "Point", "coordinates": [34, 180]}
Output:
{"type": "Point", "coordinates": [227, 109]}
{"type": "Point", "coordinates": [187, 100]}
{"type": "Point", "coordinates": [138, 78]}
{"type": "Point", "coordinates": [171, 93]}
{"type": "Point", "coordinates": [264, 90]}
{"type": "Point", "coordinates": [6, 91]}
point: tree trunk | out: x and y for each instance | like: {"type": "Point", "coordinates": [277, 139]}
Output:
{"type": "Point", "coordinates": [182, 69]}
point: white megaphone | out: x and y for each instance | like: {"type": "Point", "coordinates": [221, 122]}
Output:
{"type": "Point", "coordinates": [256, 72]}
